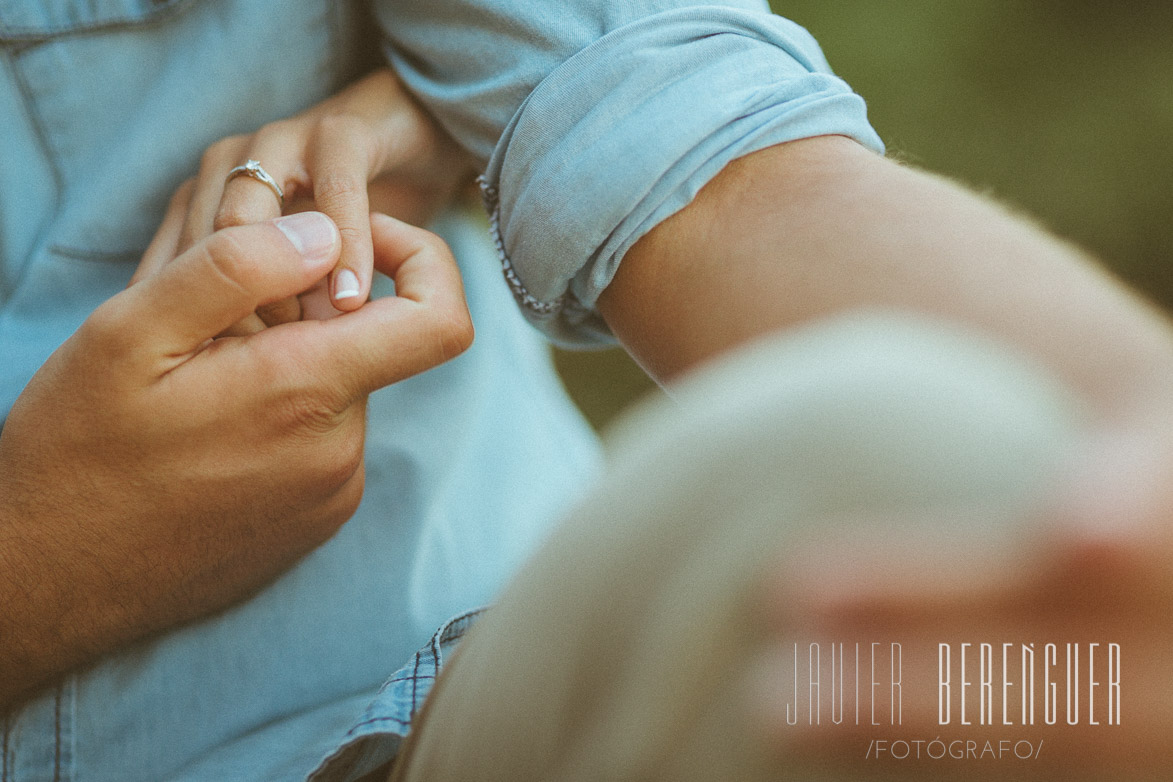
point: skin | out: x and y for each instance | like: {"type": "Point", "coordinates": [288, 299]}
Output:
{"type": "Point", "coordinates": [817, 227]}
{"type": "Point", "coordinates": [152, 474]}
{"type": "Point", "coordinates": [822, 226]}
{"type": "Point", "coordinates": [802, 230]}
{"type": "Point", "coordinates": [129, 504]}
{"type": "Point", "coordinates": [368, 148]}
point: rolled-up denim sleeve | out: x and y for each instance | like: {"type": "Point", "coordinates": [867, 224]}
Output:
{"type": "Point", "coordinates": [597, 120]}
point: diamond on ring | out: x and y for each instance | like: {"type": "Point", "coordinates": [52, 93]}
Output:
{"type": "Point", "coordinates": [255, 170]}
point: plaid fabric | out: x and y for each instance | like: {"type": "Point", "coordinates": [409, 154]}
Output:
{"type": "Point", "coordinates": [376, 736]}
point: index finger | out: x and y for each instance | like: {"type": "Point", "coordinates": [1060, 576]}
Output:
{"type": "Point", "coordinates": [339, 163]}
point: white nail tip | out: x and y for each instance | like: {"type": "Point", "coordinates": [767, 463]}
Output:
{"type": "Point", "coordinates": [345, 285]}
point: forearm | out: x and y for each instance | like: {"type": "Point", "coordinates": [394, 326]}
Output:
{"type": "Point", "coordinates": [821, 226]}
{"type": "Point", "coordinates": [92, 567]}
{"type": "Point", "coordinates": [58, 612]}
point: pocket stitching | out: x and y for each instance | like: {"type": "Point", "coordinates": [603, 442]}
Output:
{"type": "Point", "coordinates": [148, 16]}
{"type": "Point", "coordinates": [94, 256]}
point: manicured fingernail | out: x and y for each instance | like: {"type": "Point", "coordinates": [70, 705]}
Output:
{"type": "Point", "coordinates": [312, 233]}
{"type": "Point", "coordinates": [345, 285]}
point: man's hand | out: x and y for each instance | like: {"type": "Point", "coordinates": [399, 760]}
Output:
{"type": "Point", "coordinates": [150, 474]}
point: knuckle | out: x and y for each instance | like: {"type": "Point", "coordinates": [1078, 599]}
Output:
{"type": "Point", "coordinates": [210, 159]}
{"type": "Point", "coordinates": [433, 244]}
{"type": "Point", "coordinates": [338, 189]}
{"type": "Point", "coordinates": [346, 460]}
{"type": "Point", "coordinates": [309, 414]}
{"type": "Point", "coordinates": [350, 495]}
{"type": "Point", "coordinates": [287, 310]}
{"type": "Point", "coordinates": [230, 215]}
{"type": "Point", "coordinates": [105, 331]}
{"type": "Point", "coordinates": [211, 155]}
{"type": "Point", "coordinates": [221, 152]}
{"type": "Point", "coordinates": [337, 450]}
{"type": "Point", "coordinates": [454, 334]}
{"type": "Point", "coordinates": [276, 130]}
{"type": "Point", "coordinates": [336, 128]}
{"type": "Point", "coordinates": [340, 507]}
{"type": "Point", "coordinates": [352, 236]}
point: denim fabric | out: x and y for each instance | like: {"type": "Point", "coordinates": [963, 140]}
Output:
{"type": "Point", "coordinates": [598, 120]}
{"type": "Point", "coordinates": [106, 106]}
{"type": "Point", "coordinates": [627, 648]}
{"type": "Point", "coordinates": [376, 736]}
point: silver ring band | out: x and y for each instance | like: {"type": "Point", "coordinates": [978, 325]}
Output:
{"type": "Point", "coordinates": [254, 170]}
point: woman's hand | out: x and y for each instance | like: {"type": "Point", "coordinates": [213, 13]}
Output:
{"type": "Point", "coordinates": [368, 148]}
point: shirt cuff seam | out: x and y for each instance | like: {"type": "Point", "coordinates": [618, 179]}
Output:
{"type": "Point", "coordinates": [567, 302]}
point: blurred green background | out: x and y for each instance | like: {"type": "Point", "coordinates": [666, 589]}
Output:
{"type": "Point", "coordinates": [1062, 108]}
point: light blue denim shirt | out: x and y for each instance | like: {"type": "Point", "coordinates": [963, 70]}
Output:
{"type": "Point", "coordinates": [594, 120]}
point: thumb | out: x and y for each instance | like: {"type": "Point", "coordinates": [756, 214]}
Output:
{"type": "Point", "coordinates": [228, 275]}
{"type": "Point", "coordinates": [391, 338]}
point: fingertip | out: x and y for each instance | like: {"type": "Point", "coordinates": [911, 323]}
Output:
{"type": "Point", "coordinates": [350, 281]}
{"type": "Point", "coordinates": [383, 217]}
{"type": "Point", "coordinates": [346, 290]}
{"type": "Point", "coordinates": [394, 241]}
{"type": "Point", "coordinates": [383, 224]}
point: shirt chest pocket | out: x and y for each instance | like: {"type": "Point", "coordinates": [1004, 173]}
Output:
{"type": "Point", "coordinates": [25, 20]}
